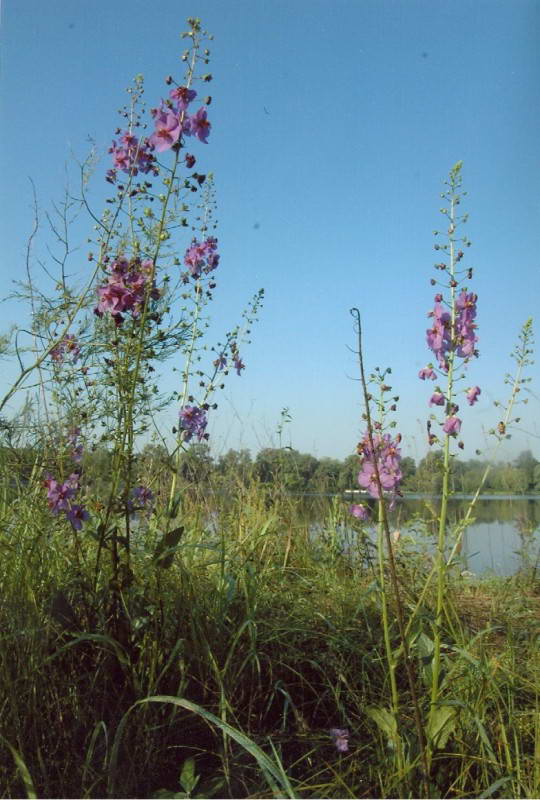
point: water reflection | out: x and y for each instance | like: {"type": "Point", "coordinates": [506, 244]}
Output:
{"type": "Point", "coordinates": [503, 537]}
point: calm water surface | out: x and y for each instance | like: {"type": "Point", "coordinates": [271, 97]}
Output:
{"type": "Point", "coordinates": [503, 538]}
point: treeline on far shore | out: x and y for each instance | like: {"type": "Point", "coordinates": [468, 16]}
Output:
{"type": "Point", "coordinates": [300, 472]}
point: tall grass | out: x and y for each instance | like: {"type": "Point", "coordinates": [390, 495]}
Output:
{"type": "Point", "coordinates": [242, 654]}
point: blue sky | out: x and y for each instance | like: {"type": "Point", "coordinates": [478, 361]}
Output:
{"type": "Point", "coordinates": [334, 125]}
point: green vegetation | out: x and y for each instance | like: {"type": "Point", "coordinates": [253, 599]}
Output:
{"type": "Point", "coordinates": [301, 472]}
{"type": "Point", "coordinates": [240, 643]}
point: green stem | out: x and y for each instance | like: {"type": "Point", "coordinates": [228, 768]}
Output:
{"type": "Point", "coordinates": [441, 540]}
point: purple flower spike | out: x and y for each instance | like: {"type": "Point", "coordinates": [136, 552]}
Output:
{"type": "Point", "coordinates": [340, 737]}
{"type": "Point", "coordinates": [387, 455]}
{"type": "Point", "coordinates": [465, 326]}
{"type": "Point", "coordinates": [472, 395]}
{"type": "Point", "coordinates": [359, 511]}
{"type": "Point", "coordinates": [201, 257]}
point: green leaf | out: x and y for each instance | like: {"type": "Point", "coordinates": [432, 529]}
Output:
{"type": "Point", "coordinates": [188, 779]}
{"type": "Point", "coordinates": [175, 505]}
{"type": "Point", "coordinates": [23, 770]}
{"type": "Point", "coordinates": [494, 786]}
{"type": "Point", "coordinates": [164, 553]}
{"type": "Point", "coordinates": [424, 646]}
{"type": "Point", "coordinates": [386, 722]}
{"type": "Point", "coordinates": [484, 738]}
{"type": "Point", "coordinates": [272, 771]}
{"type": "Point", "coordinates": [441, 725]}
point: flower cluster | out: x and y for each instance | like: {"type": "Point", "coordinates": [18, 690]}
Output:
{"type": "Point", "coordinates": [132, 156]}
{"type": "Point", "coordinates": [221, 362]}
{"type": "Point", "coordinates": [67, 348]}
{"type": "Point", "coordinates": [172, 120]}
{"type": "Point", "coordinates": [340, 737]}
{"type": "Point", "coordinates": [441, 341]}
{"type": "Point", "coordinates": [200, 257]}
{"type": "Point", "coordinates": [60, 496]}
{"type": "Point", "coordinates": [129, 283]}
{"type": "Point", "coordinates": [465, 325]}
{"type": "Point", "coordinates": [438, 337]}
{"type": "Point", "coordinates": [193, 422]}
{"type": "Point", "coordinates": [384, 457]}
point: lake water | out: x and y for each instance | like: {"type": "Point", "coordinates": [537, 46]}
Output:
{"type": "Point", "coordinates": [503, 538]}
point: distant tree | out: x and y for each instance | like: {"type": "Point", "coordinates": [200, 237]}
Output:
{"type": "Point", "coordinates": [235, 465]}
{"type": "Point", "coordinates": [537, 478]}
{"type": "Point", "coordinates": [285, 467]}
{"type": "Point", "coordinates": [429, 475]}
{"type": "Point", "coordinates": [516, 479]}
{"type": "Point", "coordinates": [348, 473]}
{"type": "Point", "coordinates": [153, 454]}
{"type": "Point", "coordinates": [325, 478]}
{"type": "Point", "coordinates": [528, 463]}
{"type": "Point", "coordinates": [408, 469]}
{"type": "Point", "coordinates": [196, 464]}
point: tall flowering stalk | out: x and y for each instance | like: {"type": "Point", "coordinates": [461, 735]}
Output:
{"type": "Point", "coordinates": [452, 339]}
{"type": "Point", "coordinates": [381, 474]}
{"type": "Point", "coordinates": [153, 262]}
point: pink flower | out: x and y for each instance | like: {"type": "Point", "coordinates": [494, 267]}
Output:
{"type": "Point", "coordinates": [200, 126]}
{"type": "Point", "coordinates": [77, 515]}
{"type": "Point", "coordinates": [359, 511]}
{"type": "Point", "coordinates": [472, 395]}
{"type": "Point", "coordinates": [193, 422]}
{"type": "Point", "coordinates": [427, 372]}
{"type": "Point", "coordinates": [167, 130]}
{"type": "Point", "coordinates": [131, 155]}
{"type": "Point", "coordinates": [452, 426]}
{"type": "Point", "coordinates": [437, 399]}
{"type": "Point", "coordinates": [201, 257]}
{"type": "Point", "coordinates": [68, 346]}
{"type": "Point", "coordinates": [126, 289]}
{"type": "Point", "coordinates": [183, 96]}
{"type": "Point", "coordinates": [239, 365]}
{"type": "Point", "coordinates": [340, 737]}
